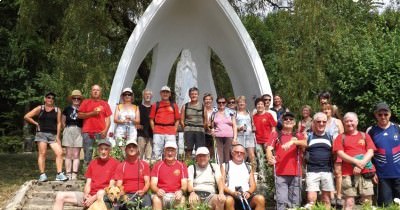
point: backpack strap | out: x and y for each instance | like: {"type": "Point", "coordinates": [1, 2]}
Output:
{"type": "Point", "coordinates": [155, 115]}
{"type": "Point", "coordinates": [194, 172]}
{"type": "Point", "coordinates": [227, 173]}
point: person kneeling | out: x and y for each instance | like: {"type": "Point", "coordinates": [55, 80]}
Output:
{"type": "Point", "coordinates": [134, 175]}
{"type": "Point", "coordinates": [98, 174]}
{"type": "Point", "coordinates": [204, 179]}
{"type": "Point", "coordinates": [240, 183]}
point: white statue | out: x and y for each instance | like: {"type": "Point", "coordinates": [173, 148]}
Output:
{"type": "Point", "coordinates": [186, 77]}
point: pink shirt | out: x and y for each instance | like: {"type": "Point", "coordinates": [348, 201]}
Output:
{"type": "Point", "coordinates": [223, 125]}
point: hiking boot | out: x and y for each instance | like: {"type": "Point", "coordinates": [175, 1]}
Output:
{"type": "Point", "coordinates": [61, 177]}
{"type": "Point", "coordinates": [43, 177]}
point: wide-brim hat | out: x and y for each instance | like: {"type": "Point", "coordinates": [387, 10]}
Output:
{"type": "Point", "coordinates": [75, 93]}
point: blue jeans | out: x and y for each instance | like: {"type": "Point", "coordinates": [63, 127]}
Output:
{"type": "Point", "coordinates": [388, 189]}
{"type": "Point", "coordinates": [88, 140]}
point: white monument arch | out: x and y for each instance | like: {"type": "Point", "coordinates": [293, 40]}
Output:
{"type": "Point", "coordinates": [169, 26]}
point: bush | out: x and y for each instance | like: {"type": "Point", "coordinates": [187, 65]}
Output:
{"type": "Point", "coordinates": [11, 144]}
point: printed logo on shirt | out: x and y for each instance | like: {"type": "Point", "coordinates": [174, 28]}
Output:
{"type": "Point", "coordinates": [361, 142]}
{"type": "Point", "coordinates": [264, 120]}
{"type": "Point", "coordinates": [396, 137]}
{"type": "Point", "coordinates": [177, 172]}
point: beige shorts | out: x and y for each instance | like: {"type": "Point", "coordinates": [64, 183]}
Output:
{"type": "Point", "coordinates": [72, 137]}
{"type": "Point", "coordinates": [356, 186]}
{"type": "Point", "coordinates": [317, 181]}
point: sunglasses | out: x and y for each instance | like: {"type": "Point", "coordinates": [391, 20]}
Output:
{"type": "Point", "coordinates": [287, 119]}
{"type": "Point", "coordinates": [267, 99]}
{"type": "Point", "coordinates": [221, 102]}
{"type": "Point", "coordinates": [231, 102]}
{"type": "Point", "coordinates": [383, 114]}
{"type": "Point", "coordinates": [127, 94]}
{"type": "Point", "coordinates": [320, 121]}
{"type": "Point", "coordinates": [49, 97]}
{"type": "Point", "coordinates": [238, 153]}
{"type": "Point", "coordinates": [75, 98]}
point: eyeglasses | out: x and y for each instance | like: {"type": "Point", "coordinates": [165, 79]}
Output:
{"type": "Point", "coordinates": [238, 153]}
{"type": "Point", "coordinates": [127, 94]}
{"type": "Point", "coordinates": [77, 99]}
{"type": "Point", "coordinates": [49, 97]}
{"type": "Point", "coordinates": [287, 119]}
{"type": "Point", "coordinates": [383, 114]}
{"type": "Point", "coordinates": [231, 102]}
{"type": "Point", "coordinates": [221, 102]}
{"type": "Point", "coordinates": [267, 99]}
{"type": "Point", "coordinates": [320, 121]}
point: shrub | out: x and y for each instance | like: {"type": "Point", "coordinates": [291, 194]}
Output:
{"type": "Point", "coordinates": [11, 144]}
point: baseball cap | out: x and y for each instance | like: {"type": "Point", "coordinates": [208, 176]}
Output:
{"type": "Point", "coordinates": [382, 106]}
{"type": "Point", "coordinates": [104, 141]}
{"type": "Point", "coordinates": [165, 88]}
{"type": "Point", "coordinates": [127, 90]}
{"type": "Point", "coordinates": [202, 151]}
{"type": "Point", "coordinates": [288, 114]}
{"type": "Point", "coordinates": [131, 141]}
{"type": "Point", "coordinates": [170, 144]}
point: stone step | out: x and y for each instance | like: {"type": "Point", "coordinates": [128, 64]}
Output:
{"type": "Point", "coordinates": [59, 186]}
{"type": "Point", "coordinates": [41, 207]}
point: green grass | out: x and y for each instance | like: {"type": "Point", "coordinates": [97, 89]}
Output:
{"type": "Point", "coordinates": [16, 169]}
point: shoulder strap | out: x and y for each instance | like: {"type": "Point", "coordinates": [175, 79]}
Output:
{"type": "Point", "coordinates": [227, 173]}
{"type": "Point", "coordinates": [212, 118]}
{"type": "Point", "coordinates": [194, 171]}
{"type": "Point", "coordinates": [41, 111]}
{"type": "Point", "coordinates": [186, 107]}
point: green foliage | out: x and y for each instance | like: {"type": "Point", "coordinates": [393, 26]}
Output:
{"type": "Point", "coordinates": [11, 144]}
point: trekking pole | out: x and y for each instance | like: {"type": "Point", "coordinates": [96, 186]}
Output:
{"type": "Point", "coordinates": [299, 174]}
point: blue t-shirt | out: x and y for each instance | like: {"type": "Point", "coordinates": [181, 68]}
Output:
{"type": "Point", "coordinates": [387, 156]}
{"type": "Point", "coordinates": [319, 153]}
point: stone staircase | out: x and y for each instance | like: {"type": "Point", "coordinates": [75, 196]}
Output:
{"type": "Point", "coordinates": [34, 195]}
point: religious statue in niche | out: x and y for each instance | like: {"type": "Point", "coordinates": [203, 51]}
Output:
{"type": "Point", "coordinates": [186, 77]}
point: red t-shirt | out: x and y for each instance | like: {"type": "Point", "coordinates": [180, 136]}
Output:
{"type": "Point", "coordinates": [353, 145]}
{"type": "Point", "coordinates": [263, 123]}
{"type": "Point", "coordinates": [101, 173]}
{"type": "Point", "coordinates": [169, 177]}
{"type": "Point", "coordinates": [95, 124]}
{"type": "Point", "coordinates": [132, 179]}
{"type": "Point", "coordinates": [165, 119]}
{"type": "Point", "coordinates": [287, 162]}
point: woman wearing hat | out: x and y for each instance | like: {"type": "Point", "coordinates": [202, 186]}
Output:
{"type": "Point", "coordinates": [48, 127]}
{"type": "Point", "coordinates": [72, 134]}
{"type": "Point", "coordinates": [126, 117]}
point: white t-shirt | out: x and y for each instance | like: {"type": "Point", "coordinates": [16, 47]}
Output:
{"type": "Point", "coordinates": [238, 175]}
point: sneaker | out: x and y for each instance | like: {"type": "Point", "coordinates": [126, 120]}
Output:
{"type": "Point", "coordinates": [61, 177]}
{"type": "Point", "coordinates": [69, 176]}
{"type": "Point", "coordinates": [43, 178]}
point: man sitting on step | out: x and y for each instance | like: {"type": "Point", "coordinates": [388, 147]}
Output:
{"type": "Point", "coordinates": [98, 176]}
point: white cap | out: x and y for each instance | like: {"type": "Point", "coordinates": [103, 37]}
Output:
{"type": "Point", "coordinates": [131, 141]}
{"type": "Point", "coordinates": [127, 90]}
{"type": "Point", "coordinates": [170, 144]}
{"type": "Point", "coordinates": [165, 88]}
{"type": "Point", "coordinates": [202, 151]}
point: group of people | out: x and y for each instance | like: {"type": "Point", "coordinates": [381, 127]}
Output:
{"type": "Point", "coordinates": [335, 156]}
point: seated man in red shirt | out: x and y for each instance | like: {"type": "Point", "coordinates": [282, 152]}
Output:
{"type": "Point", "coordinates": [356, 150]}
{"type": "Point", "coordinates": [98, 174]}
{"type": "Point", "coordinates": [169, 179]}
{"type": "Point", "coordinates": [134, 175]}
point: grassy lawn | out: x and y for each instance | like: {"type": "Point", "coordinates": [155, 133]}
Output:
{"type": "Point", "coordinates": [16, 169]}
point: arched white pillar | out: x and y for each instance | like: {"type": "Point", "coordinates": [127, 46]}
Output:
{"type": "Point", "coordinates": [169, 26]}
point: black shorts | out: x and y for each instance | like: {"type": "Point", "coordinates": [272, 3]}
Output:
{"type": "Point", "coordinates": [238, 202]}
{"type": "Point", "coordinates": [194, 139]}
{"type": "Point", "coordinates": [209, 142]}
